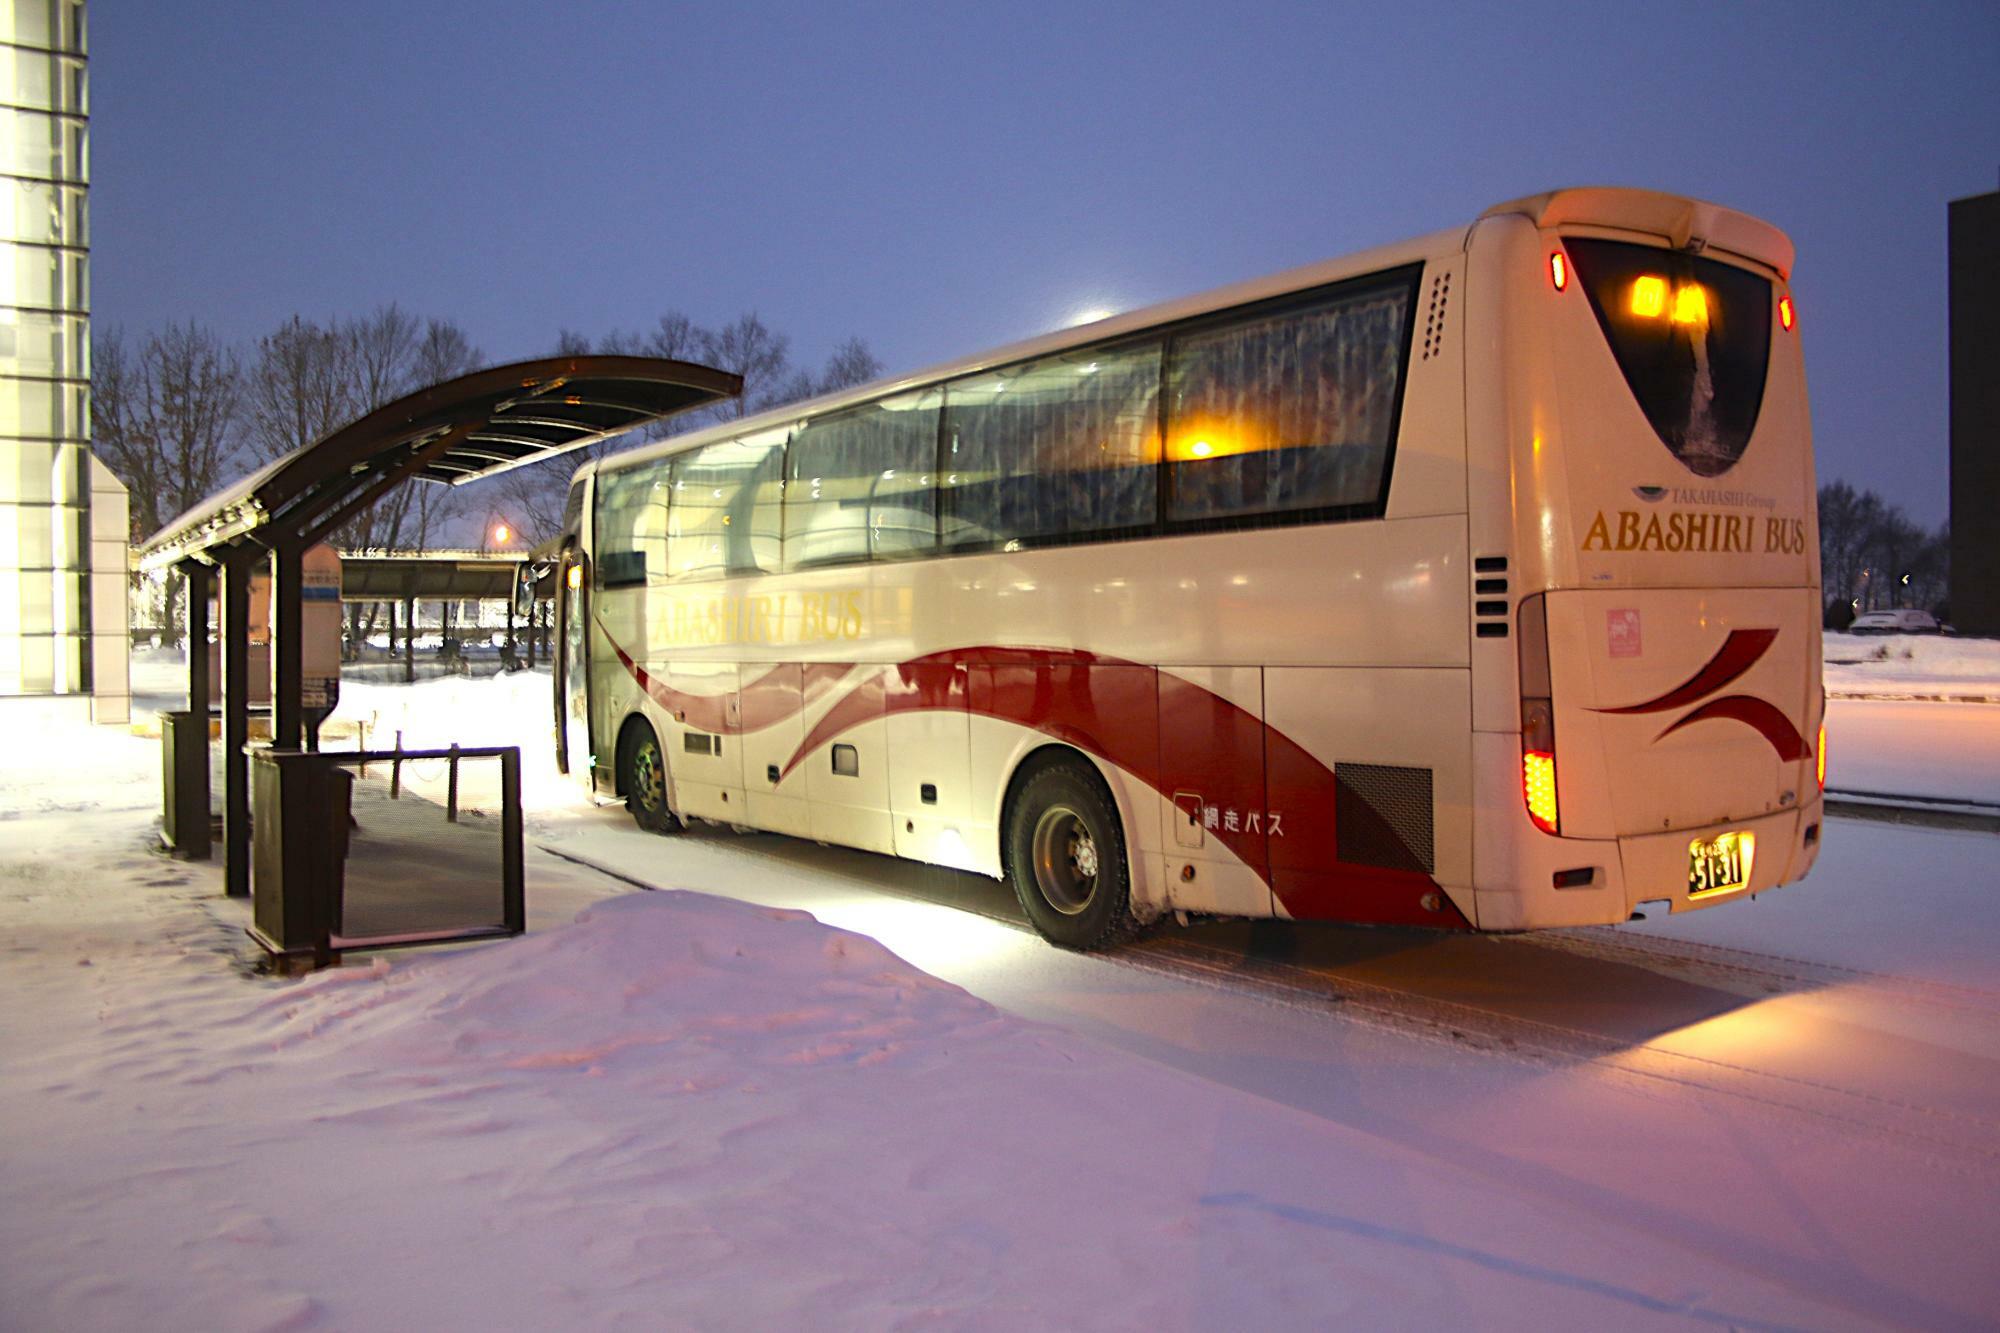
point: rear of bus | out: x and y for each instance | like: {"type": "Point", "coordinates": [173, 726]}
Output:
{"type": "Point", "coordinates": [1641, 490]}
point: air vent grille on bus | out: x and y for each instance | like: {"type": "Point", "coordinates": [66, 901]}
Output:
{"type": "Point", "coordinates": [1382, 816]}
{"type": "Point", "coordinates": [1434, 318]}
{"type": "Point", "coordinates": [1490, 618]}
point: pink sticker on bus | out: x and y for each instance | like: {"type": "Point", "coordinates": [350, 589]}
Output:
{"type": "Point", "coordinates": [1621, 630]}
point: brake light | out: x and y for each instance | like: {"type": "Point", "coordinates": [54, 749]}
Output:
{"type": "Point", "coordinates": [1538, 788]}
{"type": "Point", "coordinates": [1785, 312]}
{"type": "Point", "coordinates": [1559, 271]}
{"type": "Point", "coordinates": [1819, 756]}
{"type": "Point", "coordinates": [1538, 717]}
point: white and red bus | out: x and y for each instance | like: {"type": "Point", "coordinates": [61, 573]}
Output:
{"type": "Point", "coordinates": [1470, 582]}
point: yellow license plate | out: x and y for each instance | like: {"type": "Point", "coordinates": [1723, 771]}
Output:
{"type": "Point", "coordinates": [1720, 863]}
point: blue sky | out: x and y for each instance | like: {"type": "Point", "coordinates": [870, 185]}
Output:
{"type": "Point", "coordinates": [939, 178]}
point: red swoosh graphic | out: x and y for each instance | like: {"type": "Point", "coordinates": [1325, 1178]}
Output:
{"type": "Point", "coordinates": [1169, 733]}
{"type": "Point", "coordinates": [1172, 735]}
{"type": "Point", "coordinates": [1769, 721]}
{"type": "Point", "coordinates": [1739, 652]}
{"type": "Point", "coordinates": [763, 702]}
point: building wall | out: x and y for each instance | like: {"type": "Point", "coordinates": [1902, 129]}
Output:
{"type": "Point", "coordinates": [51, 608]}
{"type": "Point", "coordinates": [1975, 413]}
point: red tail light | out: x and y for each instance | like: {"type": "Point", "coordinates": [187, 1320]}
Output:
{"type": "Point", "coordinates": [1785, 315]}
{"type": "Point", "coordinates": [1559, 272]}
{"type": "Point", "coordinates": [1538, 718]}
{"type": "Point", "coordinates": [1819, 755]}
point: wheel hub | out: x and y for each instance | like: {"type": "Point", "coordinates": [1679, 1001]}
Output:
{"type": "Point", "coordinates": [1065, 860]}
{"type": "Point", "coordinates": [646, 773]}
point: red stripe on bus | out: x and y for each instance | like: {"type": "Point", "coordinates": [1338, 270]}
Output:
{"type": "Point", "coordinates": [1127, 715]}
{"type": "Point", "coordinates": [763, 702]}
{"type": "Point", "coordinates": [1766, 717]}
{"type": "Point", "coordinates": [1739, 652]}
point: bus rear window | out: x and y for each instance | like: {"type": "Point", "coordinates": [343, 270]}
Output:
{"type": "Point", "coordinates": [1693, 339]}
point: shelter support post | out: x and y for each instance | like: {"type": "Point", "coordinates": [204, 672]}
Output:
{"type": "Point", "coordinates": [184, 738]}
{"type": "Point", "coordinates": [392, 627]}
{"type": "Point", "coordinates": [287, 648]}
{"type": "Point", "coordinates": [409, 639]}
{"type": "Point", "coordinates": [510, 627]}
{"type": "Point", "coordinates": [200, 589]}
{"type": "Point", "coordinates": [235, 638]}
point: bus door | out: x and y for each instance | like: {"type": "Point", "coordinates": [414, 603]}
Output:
{"type": "Point", "coordinates": [574, 751]}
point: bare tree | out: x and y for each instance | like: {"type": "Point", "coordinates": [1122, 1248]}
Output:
{"type": "Point", "coordinates": [534, 496]}
{"type": "Point", "coordinates": [1847, 520]}
{"type": "Point", "coordinates": [1872, 555]}
{"type": "Point", "coordinates": [381, 355]}
{"type": "Point", "coordinates": [850, 364]}
{"type": "Point", "coordinates": [297, 389]}
{"type": "Point", "coordinates": [163, 421]}
{"type": "Point", "coordinates": [748, 348]}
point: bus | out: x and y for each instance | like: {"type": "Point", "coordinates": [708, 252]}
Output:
{"type": "Point", "coordinates": [1468, 583]}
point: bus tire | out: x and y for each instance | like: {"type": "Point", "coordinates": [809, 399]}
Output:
{"type": "Point", "coordinates": [1066, 857]}
{"type": "Point", "coordinates": [642, 776]}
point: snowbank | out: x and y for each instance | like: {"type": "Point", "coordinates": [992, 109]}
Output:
{"type": "Point", "coordinates": [678, 1111]}
{"type": "Point", "coordinates": [1913, 666]}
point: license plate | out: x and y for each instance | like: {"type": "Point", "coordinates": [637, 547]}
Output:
{"type": "Point", "coordinates": [1720, 863]}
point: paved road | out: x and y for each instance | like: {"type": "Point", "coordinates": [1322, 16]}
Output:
{"type": "Point", "coordinates": [1922, 749]}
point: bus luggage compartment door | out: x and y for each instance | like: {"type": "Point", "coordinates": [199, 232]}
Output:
{"type": "Point", "coordinates": [770, 710]}
{"type": "Point", "coordinates": [1371, 793]}
{"type": "Point", "coordinates": [1212, 772]}
{"type": "Point", "coordinates": [705, 747]}
{"type": "Point", "coordinates": [929, 733]}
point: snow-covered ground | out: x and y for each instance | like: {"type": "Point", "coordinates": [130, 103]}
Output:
{"type": "Point", "coordinates": [710, 1109]}
{"type": "Point", "coordinates": [1913, 666]}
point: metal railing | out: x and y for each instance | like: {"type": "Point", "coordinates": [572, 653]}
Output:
{"type": "Point", "coordinates": [345, 861]}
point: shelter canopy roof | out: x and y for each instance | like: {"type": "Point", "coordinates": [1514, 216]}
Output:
{"type": "Point", "coordinates": [461, 430]}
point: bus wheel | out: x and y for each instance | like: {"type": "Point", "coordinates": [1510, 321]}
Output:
{"type": "Point", "coordinates": [642, 772]}
{"type": "Point", "coordinates": [1066, 856]}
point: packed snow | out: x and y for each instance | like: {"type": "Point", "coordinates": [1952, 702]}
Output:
{"type": "Point", "coordinates": [1913, 666]}
{"type": "Point", "coordinates": [809, 1086]}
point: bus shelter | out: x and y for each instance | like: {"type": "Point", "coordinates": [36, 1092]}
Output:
{"type": "Point", "coordinates": [404, 580]}
{"type": "Point", "coordinates": [452, 433]}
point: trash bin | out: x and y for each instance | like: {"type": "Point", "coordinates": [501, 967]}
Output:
{"type": "Point", "coordinates": [300, 806]}
{"type": "Point", "coordinates": [185, 827]}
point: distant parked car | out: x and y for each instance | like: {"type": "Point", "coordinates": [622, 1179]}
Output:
{"type": "Point", "coordinates": [1894, 622]}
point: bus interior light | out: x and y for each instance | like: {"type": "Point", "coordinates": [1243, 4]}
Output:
{"type": "Point", "coordinates": [1649, 297]}
{"type": "Point", "coordinates": [1785, 315]}
{"type": "Point", "coordinates": [1559, 270]}
{"type": "Point", "coordinates": [1690, 304]}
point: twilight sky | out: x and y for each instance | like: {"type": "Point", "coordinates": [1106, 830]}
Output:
{"type": "Point", "coordinates": [939, 178]}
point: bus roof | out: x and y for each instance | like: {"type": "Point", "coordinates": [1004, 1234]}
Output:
{"type": "Point", "coordinates": [1674, 217]}
{"type": "Point", "coordinates": [1116, 326]}
{"type": "Point", "coordinates": [1682, 222]}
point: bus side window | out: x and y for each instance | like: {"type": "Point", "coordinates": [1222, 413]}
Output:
{"type": "Point", "coordinates": [717, 491]}
{"type": "Point", "coordinates": [1291, 411]}
{"type": "Point", "coordinates": [631, 526]}
{"type": "Point", "coordinates": [860, 484]}
{"type": "Point", "coordinates": [1053, 449]}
